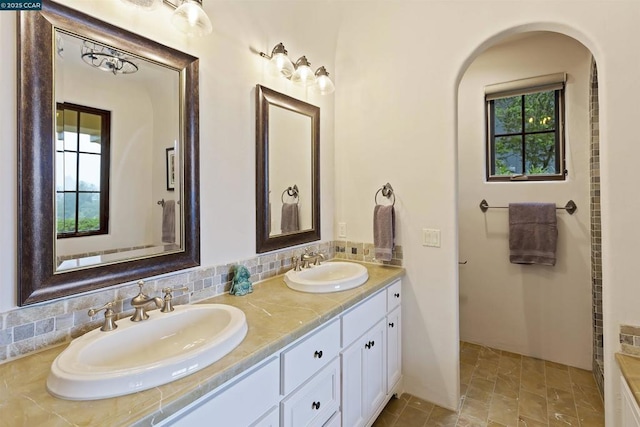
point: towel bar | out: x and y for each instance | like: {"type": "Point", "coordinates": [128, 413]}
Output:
{"type": "Point", "coordinates": [387, 191]}
{"type": "Point", "coordinates": [569, 207]}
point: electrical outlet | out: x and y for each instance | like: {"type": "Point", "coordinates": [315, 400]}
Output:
{"type": "Point", "coordinates": [431, 237]}
{"type": "Point", "coordinates": [342, 229]}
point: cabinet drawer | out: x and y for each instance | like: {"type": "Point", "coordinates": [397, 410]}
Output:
{"type": "Point", "coordinates": [230, 405]}
{"type": "Point", "coordinates": [394, 296]}
{"type": "Point", "coordinates": [334, 421]}
{"type": "Point", "coordinates": [364, 316]}
{"type": "Point", "coordinates": [309, 355]}
{"type": "Point", "coordinates": [316, 401]}
{"type": "Point", "coordinates": [270, 419]}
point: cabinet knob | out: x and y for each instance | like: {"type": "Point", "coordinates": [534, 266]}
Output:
{"type": "Point", "coordinates": [373, 343]}
{"type": "Point", "coordinates": [315, 405]}
{"type": "Point", "coordinates": [391, 325]}
{"type": "Point", "coordinates": [318, 354]}
{"type": "Point", "coordinates": [397, 295]}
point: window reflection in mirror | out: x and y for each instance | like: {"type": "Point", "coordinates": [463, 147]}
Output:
{"type": "Point", "coordinates": [82, 170]}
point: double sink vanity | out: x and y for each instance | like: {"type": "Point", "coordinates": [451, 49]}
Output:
{"type": "Point", "coordinates": [318, 346]}
{"type": "Point", "coordinates": [307, 359]}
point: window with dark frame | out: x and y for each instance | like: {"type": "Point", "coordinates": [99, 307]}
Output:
{"type": "Point", "coordinates": [82, 170]}
{"type": "Point", "coordinates": [525, 137]}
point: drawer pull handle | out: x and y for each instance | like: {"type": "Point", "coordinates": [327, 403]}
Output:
{"type": "Point", "coordinates": [370, 344]}
{"type": "Point", "coordinates": [391, 324]}
{"type": "Point", "coordinates": [373, 343]}
{"type": "Point", "coordinates": [315, 405]}
{"type": "Point", "coordinates": [318, 354]}
{"type": "Point", "coordinates": [397, 295]}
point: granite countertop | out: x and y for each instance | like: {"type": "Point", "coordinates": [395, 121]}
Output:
{"type": "Point", "coordinates": [276, 316]}
{"type": "Point", "coordinates": [630, 367]}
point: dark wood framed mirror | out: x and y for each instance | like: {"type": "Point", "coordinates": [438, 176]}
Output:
{"type": "Point", "coordinates": [287, 171]}
{"type": "Point", "coordinates": [40, 276]}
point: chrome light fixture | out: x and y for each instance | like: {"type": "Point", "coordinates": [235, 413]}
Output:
{"type": "Point", "coordinates": [188, 17]}
{"type": "Point", "coordinates": [323, 84]}
{"type": "Point", "coordinates": [301, 73]}
{"type": "Point", "coordinates": [279, 61]}
{"type": "Point", "coordinates": [107, 59]}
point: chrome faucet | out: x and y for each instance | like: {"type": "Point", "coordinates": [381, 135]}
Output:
{"type": "Point", "coordinates": [307, 257]}
{"type": "Point", "coordinates": [140, 301]}
{"type": "Point", "coordinates": [109, 316]}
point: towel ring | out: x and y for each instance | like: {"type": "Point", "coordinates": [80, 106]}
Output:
{"type": "Point", "coordinates": [292, 192]}
{"type": "Point", "coordinates": [387, 191]}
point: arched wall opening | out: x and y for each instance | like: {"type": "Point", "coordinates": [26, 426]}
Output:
{"type": "Point", "coordinates": [552, 313]}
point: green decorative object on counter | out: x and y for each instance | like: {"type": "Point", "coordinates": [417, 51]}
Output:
{"type": "Point", "coordinates": [241, 285]}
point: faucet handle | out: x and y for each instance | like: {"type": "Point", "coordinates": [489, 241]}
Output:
{"type": "Point", "coordinates": [168, 296]}
{"type": "Point", "coordinates": [109, 316]}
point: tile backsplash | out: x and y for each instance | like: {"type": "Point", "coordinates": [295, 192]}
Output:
{"type": "Point", "coordinates": [27, 329]}
{"type": "Point", "coordinates": [630, 339]}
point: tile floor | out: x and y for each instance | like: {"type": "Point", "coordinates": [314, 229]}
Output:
{"type": "Point", "coordinates": [502, 389]}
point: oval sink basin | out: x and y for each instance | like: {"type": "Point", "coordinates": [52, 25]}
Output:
{"type": "Point", "coordinates": [141, 355]}
{"type": "Point", "coordinates": [329, 277]}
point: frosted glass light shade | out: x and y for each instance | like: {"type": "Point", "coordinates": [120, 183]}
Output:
{"type": "Point", "coordinates": [191, 19]}
{"type": "Point", "coordinates": [323, 84]}
{"type": "Point", "coordinates": [303, 75]}
{"type": "Point", "coordinates": [280, 64]}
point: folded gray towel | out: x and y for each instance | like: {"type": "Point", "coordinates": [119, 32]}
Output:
{"type": "Point", "coordinates": [169, 221]}
{"type": "Point", "coordinates": [383, 231]}
{"type": "Point", "coordinates": [289, 219]}
{"type": "Point", "coordinates": [533, 233]}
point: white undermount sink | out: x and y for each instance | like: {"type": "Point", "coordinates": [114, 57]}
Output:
{"type": "Point", "coordinates": [328, 277]}
{"type": "Point", "coordinates": [141, 355]}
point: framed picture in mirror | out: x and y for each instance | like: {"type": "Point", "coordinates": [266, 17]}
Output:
{"type": "Point", "coordinates": [171, 165]}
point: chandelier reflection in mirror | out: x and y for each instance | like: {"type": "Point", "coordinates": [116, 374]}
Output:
{"type": "Point", "coordinates": [299, 73]}
{"type": "Point", "coordinates": [107, 59]}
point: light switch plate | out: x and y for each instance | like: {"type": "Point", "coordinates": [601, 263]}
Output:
{"type": "Point", "coordinates": [431, 237]}
{"type": "Point", "coordinates": [342, 229]}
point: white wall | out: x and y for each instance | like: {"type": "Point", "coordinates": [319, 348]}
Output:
{"type": "Point", "coordinates": [539, 311]}
{"type": "Point", "coordinates": [396, 120]}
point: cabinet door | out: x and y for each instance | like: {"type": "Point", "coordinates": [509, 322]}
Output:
{"type": "Point", "coordinates": [352, 374]}
{"type": "Point", "coordinates": [394, 349]}
{"type": "Point", "coordinates": [364, 376]}
{"type": "Point", "coordinates": [630, 412]}
{"type": "Point", "coordinates": [374, 368]}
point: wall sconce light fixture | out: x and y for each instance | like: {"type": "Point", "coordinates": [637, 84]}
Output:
{"type": "Point", "coordinates": [301, 73]}
{"type": "Point", "coordinates": [188, 17]}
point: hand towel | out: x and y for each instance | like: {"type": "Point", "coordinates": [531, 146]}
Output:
{"type": "Point", "coordinates": [169, 221]}
{"type": "Point", "coordinates": [533, 233]}
{"type": "Point", "coordinates": [289, 218]}
{"type": "Point", "coordinates": [383, 231]}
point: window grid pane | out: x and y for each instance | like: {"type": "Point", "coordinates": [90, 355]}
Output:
{"type": "Point", "coordinates": [523, 135]}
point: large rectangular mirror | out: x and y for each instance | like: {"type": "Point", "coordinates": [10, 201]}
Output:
{"type": "Point", "coordinates": [287, 167]}
{"type": "Point", "coordinates": [108, 155]}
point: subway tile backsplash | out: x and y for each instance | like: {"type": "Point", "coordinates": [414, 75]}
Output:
{"type": "Point", "coordinates": [28, 329]}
